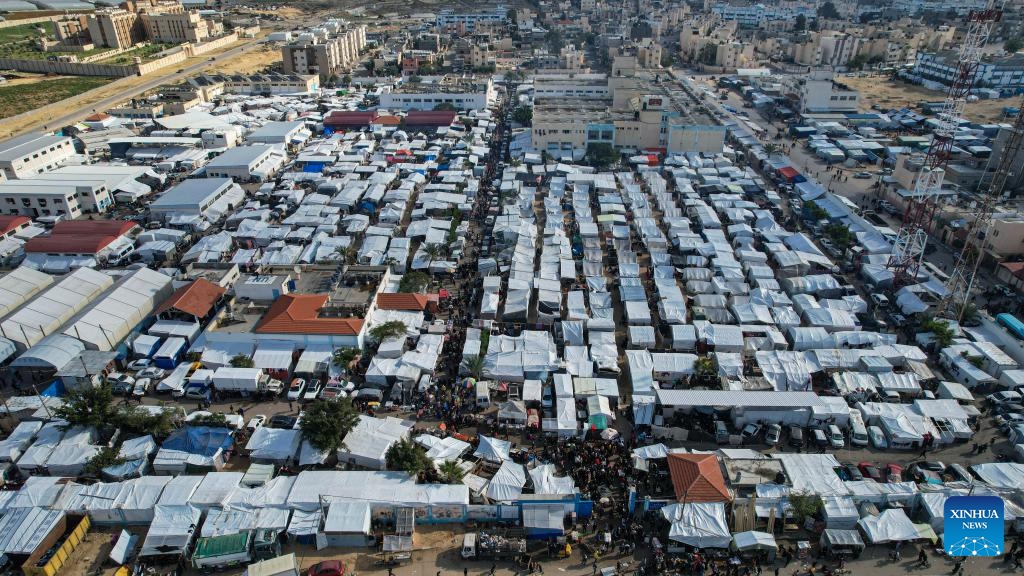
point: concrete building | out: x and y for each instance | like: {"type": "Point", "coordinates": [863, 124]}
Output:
{"type": "Point", "coordinates": [465, 93]}
{"type": "Point", "coordinates": [247, 163]}
{"type": "Point", "coordinates": [195, 201]}
{"type": "Point", "coordinates": [821, 93]}
{"type": "Point", "coordinates": [270, 83]}
{"type": "Point", "coordinates": [1001, 74]}
{"type": "Point", "coordinates": [279, 133]}
{"type": "Point", "coordinates": [67, 198]}
{"type": "Point", "coordinates": [179, 27]}
{"type": "Point", "coordinates": [450, 20]}
{"type": "Point", "coordinates": [756, 15]}
{"type": "Point", "coordinates": [648, 54]}
{"type": "Point", "coordinates": [320, 53]}
{"type": "Point", "coordinates": [116, 28]}
{"type": "Point", "coordinates": [35, 153]}
{"type": "Point", "coordinates": [587, 86]}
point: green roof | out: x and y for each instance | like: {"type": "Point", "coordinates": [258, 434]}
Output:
{"type": "Point", "coordinates": [214, 546]}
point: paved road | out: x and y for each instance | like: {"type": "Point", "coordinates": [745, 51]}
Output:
{"type": "Point", "coordinates": [158, 79]}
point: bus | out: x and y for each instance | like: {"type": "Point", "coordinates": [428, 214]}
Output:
{"type": "Point", "coordinates": [1012, 324]}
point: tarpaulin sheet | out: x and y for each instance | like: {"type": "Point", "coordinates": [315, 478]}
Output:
{"type": "Point", "coordinates": [891, 525]}
{"type": "Point", "coordinates": [507, 483]}
{"type": "Point", "coordinates": [701, 525]}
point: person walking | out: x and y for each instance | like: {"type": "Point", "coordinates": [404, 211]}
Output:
{"type": "Point", "coordinates": [493, 568]}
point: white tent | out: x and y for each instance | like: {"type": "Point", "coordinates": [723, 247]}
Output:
{"type": "Point", "coordinates": [171, 531]}
{"type": "Point", "coordinates": [891, 525]}
{"type": "Point", "coordinates": [273, 445]}
{"type": "Point", "coordinates": [545, 481]}
{"type": "Point", "coordinates": [507, 483]}
{"type": "Point", "coordinates": [368, 443]}
{"type": "Point", "coordinates": [493, 449]}
{"type": "Point", "coordinates": [701, 525]}
{"type": "Point", "coordinates": [754, 540]}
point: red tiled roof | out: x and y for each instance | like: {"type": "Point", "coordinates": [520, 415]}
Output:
{"type": "Point", "coordinates": [197, 298]}
{"type": "Point", "coordinates": [697, 478]}
{"type": "Point", "coordinates": [402, 301]}
{"type": "Point", "coordinates": [80, 236]}
{"type": "Point", "coordinates": [347, 119]}
{"type": "Point", "coordinates": [8, 223]}
{"type": "Point", "coordinates": [300, 314]}
{"type": "Point", "coordinates": [94, 227]}
{"type": "Point", "coordinates": [97, 117]}
{"type": "Point", "coordinates": [430, 117]}
{"type": "Point", "coordinates": [387, 120]}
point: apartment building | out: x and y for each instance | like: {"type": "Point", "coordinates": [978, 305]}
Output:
{"type": "Point", "coordinates": [820, 93]}
{"type": "Point", "coordinates": [756, 15]}
{"type": "Point", "coordinates": [116, 28]}
{"type": "Point", "coordinates": [585, 86]}
{"type": "Point", "coordinates": [321, 53]}
{"type": "Point", "coordinates": [31, 154]}
{"type": "Point", "coordinates": [179, 26]}
{"type": "Point", "coordinates": [452, 20]}
{"type": "Point", "coordinates": [1000, 73]}
{"type": "Point", "coordinates": [648, 53]}
{"type": "Point", "coordinates": [52, 197]}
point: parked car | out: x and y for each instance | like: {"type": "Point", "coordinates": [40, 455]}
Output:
{"type": "Point", "coordinates": [333, 391]}
{"type": "Point", "coordinates": [140, 364]}
{"type": "Point", "coordinates": [281, 421]}
{"type": "Point", "coordinates": [870, 471]}
{"type": "Point", "coordinates": [796, 436]}
{"type": "Point", "coordinates": [255, 422]}
{"type": "Point", "coordinates": [327, 568]}
{"type": "Point", "coordinates": [771, 437]}
{"type": "Point", "coordinates": [152, 372]}
{"type": "Point", "coordinates": [880, 300]}
{"type": "Point", "coordinates": [296, 389]}
{"type": "Point", "coordinates": [893, 473]}
{"type": "Point", "coordinates": [862, 175]}
{"type": "Point", "coordinates": [877, 437]}
{"type": "Point", "coordinates": [120, 383]}
{"type": "Point", "coordinates": [1003, 396]}
{"type": "Point", "coordinates": [312, 390]}
{"type": "Point", "coordinates": [141, 387]}
{"type": "Point", "coordinates": [750, 432]}
{"type": "Point", "coordinates": [849, 472]}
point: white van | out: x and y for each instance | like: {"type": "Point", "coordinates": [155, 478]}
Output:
{"type": "Point", "coordinates": [835, 436]}
{"type": "Point", "coordinates": [858, 432]}
{"type": "Point", "coordinates": [483, 394]}
{"type": "Point", "coordinates": [469, 546]}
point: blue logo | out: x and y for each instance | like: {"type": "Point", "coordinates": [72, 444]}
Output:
{"type": "Point", "coordinates": [974, 526]}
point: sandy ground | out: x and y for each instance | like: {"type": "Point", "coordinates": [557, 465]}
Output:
{"type": "Point", "coordinates": [886, 93]}
{"type": "Point", "coordinates": [255, 61]}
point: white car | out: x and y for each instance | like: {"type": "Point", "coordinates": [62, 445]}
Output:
{"type": "Point", "coordinates": [771, 437]}
{"type": "Point", "coordinates": [877, 438]}
{"type": "Point", "coordinates": [312, 391]}
{"type": "Point", "coordinates": [880, 300]}
{"type": "Point", "coordinates": [140, 364]}
{"type": "Point", "coordinates": [296, 389]}
{"type": "Point", "coordinates": [152, 373]}
{"type": "Point", "coordinates": [141, 387]}
{"type": "Point", "coordinates": [255, 422]}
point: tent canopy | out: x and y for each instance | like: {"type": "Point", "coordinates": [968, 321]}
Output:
{"type": "Point", "coordinates": [754, 540]}
{"type": "Point", "coordinates": [701, 525]}
{"type": "Point", "coordinates": [492, 449]}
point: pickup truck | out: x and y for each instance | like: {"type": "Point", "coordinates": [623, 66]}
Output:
{"type": "Point", "coordinates": [492, 546]}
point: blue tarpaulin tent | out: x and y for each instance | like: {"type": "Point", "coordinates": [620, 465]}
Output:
{"type": "Point", "coordinates": [201, 440]}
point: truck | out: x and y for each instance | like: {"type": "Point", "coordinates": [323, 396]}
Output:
{"type": "Point", "coordinates": [246, 381]}
{"type": "Point", "coordinates": [286, 565]}
{"type": "Point", "coordinates": [492, 546]}
{"type": "Point", "coordinates": [168, 356]}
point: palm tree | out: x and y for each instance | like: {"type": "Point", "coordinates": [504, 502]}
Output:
{"type": "Point", "coordinates": [770, 148]}
{"type": "Point", "coordinates": [387, 330]}
{"type": "Point", "coordinates": [474, 366]}
{"type": "Point", "coordinates": [344, 357]}
{"type": "Point", "coordinates": [348, 253]}
{"type": "Point", "coordinates": [705, 369]}
{"type": "Point", "coordinates": [942, 334]}
{"type": "Point", "coordinates": [433, 252]}
{"type": "Point", "coordinates": [390, 261]}
{"type": "Point", "coordinates": [450, 472]}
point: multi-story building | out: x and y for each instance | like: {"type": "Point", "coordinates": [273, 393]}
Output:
{"type": "Point", "coordinates": [1002, 73]}
{"type": "Point", "coordinates": [820, 93]}
{"type": "Point", "coordinates": [73, 30]}
{"type": "Point", "coordinates": [464, 93]}
{"type": "Point", "coordinates": [837, 48]}
{"type": "Point", "coordinates": [116, 28]}
{"type": "Point", "coordinates": [467, 54]}
{"type": "Point", "coordinates": [449, 19]}
{"type": "Point", "coordinates": [176, 27]}
{"type": "Point", "coordinates": [319, 52]}
{"type": "Point", "coordinates": [648, 53]}
{"type": "Point", "coordinates": [585, 86]}
{"type": "Point", "coordinates": [756, 15]}
{"type": "Point", "coordinates": [31, 154]}
{"type": "Point", "coordinates": [50, 197]}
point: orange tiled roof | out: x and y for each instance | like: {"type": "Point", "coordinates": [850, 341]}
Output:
{"type": "Point", "coordinates": [8, 223]}
{"type": "Point", "coordinates": [300, 314]}
{"type": "Point", "coordinates": [697, 478]}
{"type": "Point", "coordinates": [197, 298]}
{"type": "Point", "coordinates": [402, 301]}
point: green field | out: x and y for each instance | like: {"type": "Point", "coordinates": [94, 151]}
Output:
{"type": "Point", "coordinates": [24, 97]}
{"type": "Point", "coordinates": [147, 53]}
{"type": "Point", "coordinates": [19, 42]}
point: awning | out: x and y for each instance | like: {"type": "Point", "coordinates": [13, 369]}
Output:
{"type": "Point", "coordinates": [315, 358]}
{"type": "Point", "coordinates": [274, 355]}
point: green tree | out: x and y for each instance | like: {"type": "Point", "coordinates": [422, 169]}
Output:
{"type": "Point", "coordinates": [347, 253]}
{"type": "Point", "coordinates": [474, 366]}
{"type": "Point", "coordinates": [106, 457]}
{"type": "Point", "coordinates": [346, 80]}
{"type": "Point", "coordinates": [344, 357]}
{"type": "Point", "coordinates": [242, 361]}
{"type": "Point", "coordinates": [415, 79]}
{"type": "Point", "coordinates": [434, 251]}
{"type": "Point", "coordinates": [325, 424]}
{"type": "Point", "coordinates": [553, 38]}
{"type": "Point", "coordinates": [601, 155]}
{"type": "Point", "coordinates": [413, 282]}
{"type": "Point", "coordinates": [388, 330]}
{"type": "Point", "coordinates": [800, 23]}
{"type": "Point", "coordinates": [969, 315]}
{"type": "Point", "coordinates": [450, 472]}
{"type": "Point", "coordinates": [139, 421]}
{"type": "Point", "coordinates": [89, 406]}
{"type": "Point", "coordinates": [708, 54]}
{"type": "Point", "coordinates": [448, 106]}
{"type": "Point", "coordinates": [814, 25]}
{"type": "Point", "coordinates": [406, 456]}
{"type": "Point", "coordinates": [942, 334]}
{"type": "Point", "coordinates": [816, 212]}
{"type": "Point", "coordinates": [840, 235]}
{"type": "Point", "coordinates": [523, 115]}
{"type": "Point", "coordinates": [804, 504]}
{"type": "Point", "coordinates": [705, 370]}
{"type": "Point", "coordinates": [513, 76]}
{"type": "Point", "coordinates": [1013, 45]}
{"type": "Point", "coordinates": [828, 10]}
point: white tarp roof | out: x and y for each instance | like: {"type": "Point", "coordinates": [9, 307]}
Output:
{"type": "Point", "coordinates": [273, 444]}
{"type": "Point", "coordinates": [507, 483]}
{"type": "Point", "coordinates": [493, 449]}
{"type": "Point", "coordinates": [754, 540]}
{"type": "Point", "coordinates": [545, 481]}
{"type": "Point", "coordinates": [891, 525]}
{"type": "Point", "coordinates": [1001, 474]}
{"type": "Point", "coordinates": [348, 518]}
{"type": "Point", "coordinates": [701, 525]}
{"type": "Point", "coordinates": [171, 531]}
